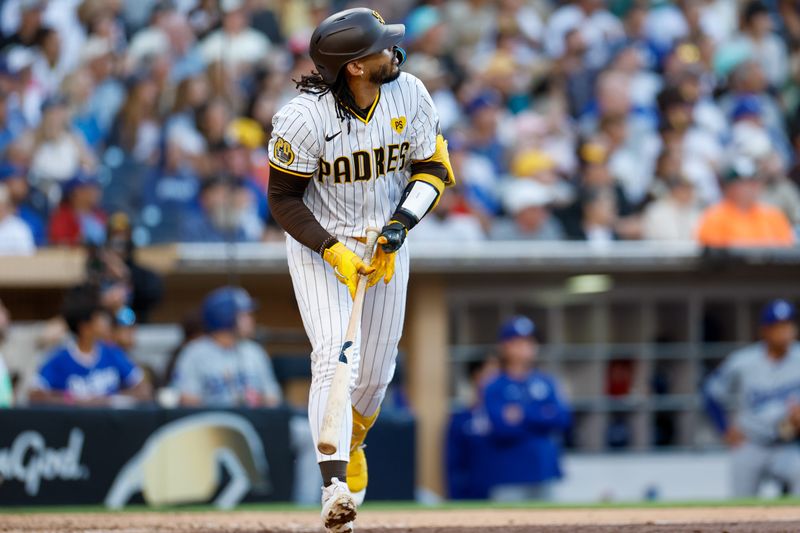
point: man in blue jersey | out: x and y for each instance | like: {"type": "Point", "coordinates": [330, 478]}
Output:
{"type": "Point", "coordinates": [86, 370]}
{"type": "Point", "coordinates": [761, 384]}
{"type": "Point", "coordinates": [527, 418]}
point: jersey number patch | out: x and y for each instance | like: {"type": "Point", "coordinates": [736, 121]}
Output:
{"type": "Point", "coordinates": [283, 151]}
{"type": "Point", "coordinates": [399, 124]}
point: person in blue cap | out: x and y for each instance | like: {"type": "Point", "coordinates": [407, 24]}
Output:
{"type": "Point", "coordinates": [760, 383]}
{"type": "Point", "coordinates": [528, 417]}
{"type": "Point", "coordinates": [224, 368]}
{"type": "Point", "coordinates": [123, 329]}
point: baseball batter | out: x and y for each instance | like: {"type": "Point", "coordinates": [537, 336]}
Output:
{"type": "Point", "coordinates": [359, 146]}
{"type": "Point", "coordinates": [762, 383]}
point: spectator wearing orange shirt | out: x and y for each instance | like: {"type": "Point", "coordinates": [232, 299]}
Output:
{"type": "Point", "coordinates": [740, 219]}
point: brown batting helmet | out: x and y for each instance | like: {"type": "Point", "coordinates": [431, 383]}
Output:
{"type": "Point", "coordinates": [349, 35]}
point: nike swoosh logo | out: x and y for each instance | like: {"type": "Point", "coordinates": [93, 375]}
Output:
{"type": "Point", "coordinates": [329, 138]}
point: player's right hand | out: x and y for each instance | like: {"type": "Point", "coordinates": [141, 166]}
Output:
{"type": "Point", "coordinates": [734, 437]}
{"type": "Point", "coordinates": [346, 265]}
{"type": "Point", "coordinates": [789, 427]}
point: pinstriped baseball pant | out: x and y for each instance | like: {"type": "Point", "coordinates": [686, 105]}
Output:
{"type": "Point", "coordinates": [325, 306]}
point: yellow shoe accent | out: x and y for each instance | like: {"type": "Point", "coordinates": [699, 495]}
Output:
{"type": "Point", "coordinates": [357, 471]}
{"type": "Point", "coordinates": [361, 425]}
{"type": "Point", "coordinates": [357, 467]}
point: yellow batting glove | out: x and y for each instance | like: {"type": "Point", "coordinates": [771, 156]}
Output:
{"type": "Point", "coordinates": [384, 266]}
{"type": "Point", "coordinates": [346, 265]}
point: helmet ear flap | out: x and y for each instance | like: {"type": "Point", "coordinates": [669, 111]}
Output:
{"type": "Point", "coordinates": [400, 54]}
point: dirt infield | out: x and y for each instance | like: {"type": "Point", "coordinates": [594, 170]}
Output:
{"type": "Point", "coordinates": [653, 520]}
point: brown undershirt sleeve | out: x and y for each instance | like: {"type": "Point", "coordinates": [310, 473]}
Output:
{"type": "Point", "coordinates": [285, 194]}
{"type": "Point", "coordinates": [434, 168]}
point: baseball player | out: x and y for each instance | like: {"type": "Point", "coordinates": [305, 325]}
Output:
{"type": "Point", "coordinates": [224, 367]}
{"type": "Point", "coordinates": [359, 147]}
{"type": "Point", "coordinates": [762, 383]}
{"type": "Point", "coordinates": [527, 419]}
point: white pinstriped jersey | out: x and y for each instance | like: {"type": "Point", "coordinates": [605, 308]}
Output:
{"type": "Point", "coordinates": [358, 174]}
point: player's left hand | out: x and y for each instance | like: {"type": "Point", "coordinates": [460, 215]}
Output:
{"type": "Point", "coordinates": [392, 236]}
{"type": "Point", "coordinates": [383, 262]}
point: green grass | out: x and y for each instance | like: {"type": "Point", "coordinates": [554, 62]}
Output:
{"type": "Point", "coordinates": [402, 506]}
{"type": "Point", "coordinates": [409, 506]}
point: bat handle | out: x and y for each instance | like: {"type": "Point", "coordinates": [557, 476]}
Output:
{"type": "Point", "coordinates": [372, 237]}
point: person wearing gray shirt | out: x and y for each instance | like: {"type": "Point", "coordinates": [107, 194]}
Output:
{"type": "Point", "coordinates": [211, 373]}
{"type": "Point", "coordinates": [761, 383]}
{"type": "Point", "coordinates": [224, 368]}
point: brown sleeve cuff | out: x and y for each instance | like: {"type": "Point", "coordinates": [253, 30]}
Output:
{"type": "Point", "coordinates": [434, 168]}
{"type": "Point", "coordinates": [285, 194]}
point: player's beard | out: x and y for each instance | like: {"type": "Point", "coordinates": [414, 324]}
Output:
{"type": "Point", "coordinates": [386, 74]}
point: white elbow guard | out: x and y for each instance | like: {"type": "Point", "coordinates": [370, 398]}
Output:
{"type": "Point", "coordinates": [418, 198]}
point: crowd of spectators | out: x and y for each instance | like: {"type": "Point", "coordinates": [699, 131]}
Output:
{"type": "Point", "coordinates": [592, 120]}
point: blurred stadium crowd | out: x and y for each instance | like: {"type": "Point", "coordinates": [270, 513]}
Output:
{"type": "Point", "coordinates": [586, 119]}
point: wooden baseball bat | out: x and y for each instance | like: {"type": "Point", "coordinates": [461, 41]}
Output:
{"type": "Point", "coordinates": [340, 386]}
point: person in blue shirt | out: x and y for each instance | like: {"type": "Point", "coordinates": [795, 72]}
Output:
{"type": "Point", "coordinates": [86, 370]}
{"type": "Point", "coordinates": [225, 367]}
{"type": "Point", "coordinates": [527, 418]}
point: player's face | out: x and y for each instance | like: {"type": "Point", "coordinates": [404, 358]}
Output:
{"type": "Point", "coordinates": [101, 326]}
{"type": "Point", "coordinates": [382, 67]}
{"type": "Point", "coordinates": [780, 335]}
{"type": "Point", "coordinates": [245, 325]}
{"type": "Point", "coordinates": [520, 351]}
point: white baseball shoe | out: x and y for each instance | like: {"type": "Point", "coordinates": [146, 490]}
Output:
{"type": "Point", "coordinates": [338, 507]}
